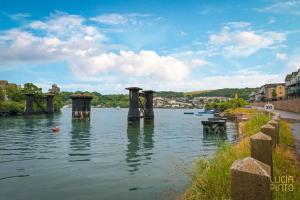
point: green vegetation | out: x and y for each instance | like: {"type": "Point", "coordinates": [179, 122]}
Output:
{"type": "Point", "coordinates": [12, 98]}
{"type": "Point", "coordinates": [211, 178]}
{"type": "Point", "coordinates": [225, 105]}
{"type": "Point", "coordinates": [168, 94]}
{"type": "Point", "coordinates": [120, 100]}
{"type": "Point", "coordinates": [226, 92]}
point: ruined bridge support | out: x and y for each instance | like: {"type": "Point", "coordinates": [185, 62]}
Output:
{"type": "Point", "coordinates": [148, 107]}
{"type": "Point", "coordinates": [50, 103]}
{"type": "Point", "coordinates": [136, 107]}
{"type": "Point", "coordinates": [81, 106]}
{"type": "Point", "coordinates": [29, 99]}
{"type": "Point", "coordinates": [133, 112]}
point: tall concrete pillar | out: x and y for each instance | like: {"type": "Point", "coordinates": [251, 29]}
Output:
{"type": "Point", "coordinates": [50, 103]}
{"type": "Point", "coordinates": [149, 114]}
{"type": "Point", "coordinates": [269, 130]}
{"type": "Point", "coordinates": [133, 112]}
{"type": "Point", "coordinates": [250, 180]}
{"type": "Point", "coordinates": [29, 99]}
{"type": "Point", "coordinates": [261, 149]}
{"type": "Point", "coordinates": [81, 106]}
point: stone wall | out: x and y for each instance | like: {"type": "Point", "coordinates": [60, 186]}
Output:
{"type": "Point", "coordinates": [291, 105]}
{"type": "Point", "coordinates": [251, 177]}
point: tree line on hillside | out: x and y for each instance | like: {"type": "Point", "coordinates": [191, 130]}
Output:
{"type": "Point", "coordinates": [100, 100]}
{"type": "Point", "coordinates": [226, 92]}
{"type": "Point", "coordinates": [12, 97]}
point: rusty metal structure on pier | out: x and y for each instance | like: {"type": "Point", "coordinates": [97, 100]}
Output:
{"type": "Point", "coordinates": [31, 99]}
{"type": "Point", "coordinates": [81, 106]}
{"type": "Point", "coordinates": [140, 108]}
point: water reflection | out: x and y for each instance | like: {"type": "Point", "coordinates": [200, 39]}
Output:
{"type": "Point", "coordinates": [132, 156]}
{"type": "Point", "coordinates": [139, 147]}
{"type": "Point", "coordinates": [80, 141]}
{"type": "Point", "coordinates": [213, 137]}
{"type": "Point", "coordinates": [148, 138]}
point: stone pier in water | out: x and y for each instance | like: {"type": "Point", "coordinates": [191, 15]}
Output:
{"type": "Point", "coordinates": [134, 111]}
{"type": "Point", "coordinates": [81, 106]}
{"type": "Point", "coordinates": [50, 103]}
{"type": "Point", "coordinates": [29, 99]}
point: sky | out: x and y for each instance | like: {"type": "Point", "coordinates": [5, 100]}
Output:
{"type": "Point", "coordinates": [107, 45]}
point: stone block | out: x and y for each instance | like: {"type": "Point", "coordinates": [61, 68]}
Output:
{"type": "Point", "coordinates": [261, 149]}
{"type": "Point", "coordinates": [250, 180]}
{"type": "Point", "coordinates": [269, 130]}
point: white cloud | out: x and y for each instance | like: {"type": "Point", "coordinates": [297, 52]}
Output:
{"type": "Point", "coordinates": [235, 42]}
{"type": "Point", "coordinates": [19, 16]}
{"type": "Point", "coordinates": [119, 19]}
{"type": "Point", "coordinates": [111, 19]}
{"type": "Point", "coordinates": [294, 62]}
{"type": "Point", "coordinates": [144, 64]}
{"type": "Point", "coordinates": [271, 21]}
{"type": "Point", "coordinates": [63, 37]}
{"type": "Point", "coordinates": [286, 7]}
{"type": "Point", "coordinates": [281, 56]}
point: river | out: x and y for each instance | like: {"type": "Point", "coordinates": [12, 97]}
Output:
{"type": "Point", "coordinates": [101, 159]}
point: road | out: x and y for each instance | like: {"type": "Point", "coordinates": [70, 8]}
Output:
{"type": "Point", "coordinates": [294, 118]}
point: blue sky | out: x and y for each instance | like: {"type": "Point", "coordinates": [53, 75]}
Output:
{"type": "Point", "coordinates": [106, 46]}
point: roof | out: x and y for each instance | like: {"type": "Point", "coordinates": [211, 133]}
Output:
{"type": "Point", "coordinates": [148, 91]}
{"type": "Point", "coordinates": [133, 88]}
{"type": "Point", "coordinates": [273, 85]}
{"type": "Point", "coordinates": [292, 75]}
{"type": "Point", "coordinates": [81, 96]}
{"type": "Point", "coordinates": [288, 77]}
{"type": "Point", "coordinates": [3, 82]}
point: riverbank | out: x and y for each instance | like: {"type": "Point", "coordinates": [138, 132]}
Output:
{"type": "Point", "coordinates": [211, 178]}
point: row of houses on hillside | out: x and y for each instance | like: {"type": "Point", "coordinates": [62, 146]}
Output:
{"type": "Point", "coordinates": [278, 91]}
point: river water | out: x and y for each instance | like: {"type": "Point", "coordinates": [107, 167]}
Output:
{"type": "Point", "coordinates": [101, 159]}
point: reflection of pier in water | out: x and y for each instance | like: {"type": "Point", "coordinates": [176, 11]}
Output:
{"type": "Point", "coordinates": [80, 141]}
{"type": "Point", "coordinates": [139, 145]}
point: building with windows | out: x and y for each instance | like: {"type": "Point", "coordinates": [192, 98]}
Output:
{"type": "Point", "coordinates": [292, 82]}
{"type": "Point", "coordinates": [271, 92]}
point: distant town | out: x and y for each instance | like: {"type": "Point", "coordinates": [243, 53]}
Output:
{"type": "Point", "coordinates": [185, 102]}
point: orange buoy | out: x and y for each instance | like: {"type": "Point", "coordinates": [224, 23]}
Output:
{"type": "Point", "coordinates": [55, 129]}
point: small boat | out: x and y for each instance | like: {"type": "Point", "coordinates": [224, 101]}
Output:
{"type": "Point", "coordinates": [55, 129]}
{"type": "Point", "coordinates": [188, 113]}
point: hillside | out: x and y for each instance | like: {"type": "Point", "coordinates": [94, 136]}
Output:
{"type": "Point", "coordinates": [226, 92]}
{"type": "Point", "coordinates": [122, 100]}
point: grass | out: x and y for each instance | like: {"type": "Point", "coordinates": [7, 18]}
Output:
{"type": "Point", "coordinates": [211, 178]}
{"type": "Point", "coordinates": [285, 162]}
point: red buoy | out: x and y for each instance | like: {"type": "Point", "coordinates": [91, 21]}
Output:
{"type": "Point", "coordinates": [55, 129]}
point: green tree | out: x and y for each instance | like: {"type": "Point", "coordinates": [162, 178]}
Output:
{"type": "Point", "coordinates": [13, 92]}
{"type": "Point", "coordinates": [2, 95]}
{"type": "Point", "coordinates": [31, 88]}
{"type": "Point", "coordinates": [274, 94]}
{"type": "Point", "coordinates": [54, 89]}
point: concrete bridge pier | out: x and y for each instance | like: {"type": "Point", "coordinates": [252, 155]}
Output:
{"type": "Point", "coordinates": [81, 106]}
{"type": "Point", "coordinates": [148, 112]}
{"type": "Point", "coordinates": [29, 99]}
{"type": "Point", "coordinates": [50, 103]}
{"type": "Point", "coordinates": [133, 112]}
